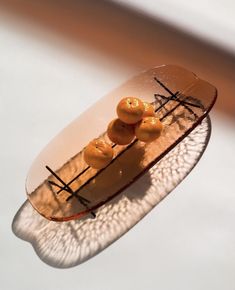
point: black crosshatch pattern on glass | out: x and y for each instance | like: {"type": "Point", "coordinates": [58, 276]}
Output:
{"type": "Point", "coordinates": [66, 186]}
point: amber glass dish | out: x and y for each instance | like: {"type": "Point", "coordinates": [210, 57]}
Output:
{"type": "Point", "coordinates": [61, 186]}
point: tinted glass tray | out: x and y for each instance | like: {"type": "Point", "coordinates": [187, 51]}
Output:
{"type": "Point", "coordinates": [74, 190]}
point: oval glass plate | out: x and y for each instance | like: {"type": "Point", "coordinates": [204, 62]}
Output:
{"type": "Point", "coordinates": [61, 186]}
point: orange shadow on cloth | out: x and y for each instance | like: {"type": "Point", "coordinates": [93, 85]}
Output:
{"type": "Point", "coordinates": [131, 38]}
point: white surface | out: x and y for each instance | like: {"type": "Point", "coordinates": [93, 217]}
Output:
{"type": "Point", "coordinates": [187, 242]}
{"type": "Point", "coordinates": [212, 20]}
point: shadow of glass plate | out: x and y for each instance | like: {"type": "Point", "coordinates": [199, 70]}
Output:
{"type": "Point", "coordinates": [67, 244]}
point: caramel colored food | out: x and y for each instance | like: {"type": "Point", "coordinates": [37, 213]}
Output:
{"type": "Point", "coordinates": [120, 132]}
{"type": "Point", "coordinates": [98, 154]}
{"type": "Point", "coordinates": [148, 129]}
{"type": "Point", "coordinates": [130, 110]}
{"type": "Point", "coordinates": [148, 110]}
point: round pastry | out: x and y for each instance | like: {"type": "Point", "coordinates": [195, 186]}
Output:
{"type": "Point", "coordinates": [120, 133]}
{"type": "Point", "coordinates": [148, 110]}
{"type": "Point", "coordinates": [130, 110]}
{"type": "Point", "coordinates": [98, 153]}
{"type": "Point", "coordinates": [148, 129]}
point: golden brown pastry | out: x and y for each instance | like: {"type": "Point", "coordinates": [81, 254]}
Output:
{"type": "Point", "coordinates": [148, 110]}
{"type": "Point", "coordinates": [130, 110]}
{"type": "Point", "coordinates": [120, 133]}
{"type": "Point", "coordinates": [148, 129]}
{"type": "Point", "coordinates": [98, 153]}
